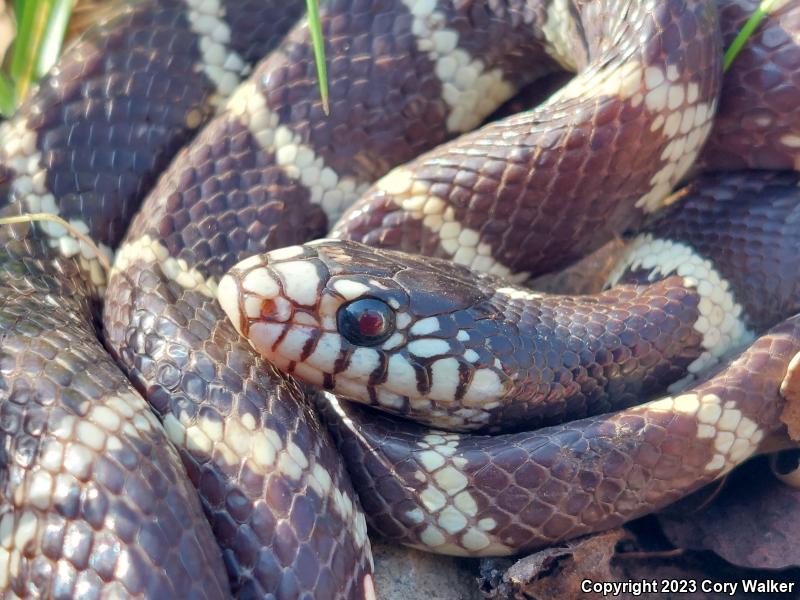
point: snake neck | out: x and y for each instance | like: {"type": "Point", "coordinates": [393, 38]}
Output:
{"type": "Point", "coordinates": [554, 358]}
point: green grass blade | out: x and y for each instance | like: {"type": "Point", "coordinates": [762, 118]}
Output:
{"type": "Point", "coordinates": [53, 36]}
{"type": "Point", "coordinates": [745, 33]}
{"type": "Point", "coordinates": [40, 33]}
{"type": "Point", "coordinates": [8, 102]}
{"type": "Point", "coordinates": [21, 7]}
{"type": "Point", "coordinates": [30, 32]}
{"type": "Point", "coordinates": [318, 43]}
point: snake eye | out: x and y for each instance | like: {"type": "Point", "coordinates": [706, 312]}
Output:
{"type": "Point", "coordinates": [366, 322]}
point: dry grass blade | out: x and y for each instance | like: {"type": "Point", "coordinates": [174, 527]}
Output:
{"type": "Point", "coordinates": [27, 218]}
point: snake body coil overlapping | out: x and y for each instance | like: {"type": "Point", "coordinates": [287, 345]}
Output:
{"type": "Point", "coordinates": [203, 471]}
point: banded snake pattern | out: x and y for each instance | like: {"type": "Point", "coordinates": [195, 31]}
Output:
{"type": "Point", "coordinates": [202, 470]}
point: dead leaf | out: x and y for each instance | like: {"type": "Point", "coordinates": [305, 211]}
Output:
{"type": "Point", "coordinates": [554, 573]}
{"type": "Point", "coordinates": [790, 390]}
{"type": "Point", "coordinates": [754, 522]}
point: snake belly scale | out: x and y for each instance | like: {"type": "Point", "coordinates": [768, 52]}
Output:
{"type": "Point", "coordinates": [203, 470]}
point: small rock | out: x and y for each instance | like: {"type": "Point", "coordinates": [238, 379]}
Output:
{"type": "Point", "coordinates": [406, 574]}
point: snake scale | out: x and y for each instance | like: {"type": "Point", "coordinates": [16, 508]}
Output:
{"type": "Point", "coordinates": [149, 452]}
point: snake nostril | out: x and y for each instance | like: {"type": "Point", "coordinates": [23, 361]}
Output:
{"type": "Point", "coordinates": [268, 308]}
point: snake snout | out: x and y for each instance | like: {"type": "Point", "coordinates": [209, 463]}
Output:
{"type": "Point", "coordinates": [249, 292]}
{"type": "Point", "coordinates": [274, 301]}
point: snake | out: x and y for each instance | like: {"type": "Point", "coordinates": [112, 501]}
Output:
{"type": "Point", "coordinates": [149, 452]}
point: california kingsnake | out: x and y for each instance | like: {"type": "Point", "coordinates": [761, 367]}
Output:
{"type": "Point", "coordinates": [86, 513]}
{"type": "Point", "coordinates": [477, 352]}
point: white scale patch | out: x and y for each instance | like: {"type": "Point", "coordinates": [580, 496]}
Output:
{"type": "Point", "coordinates": [353, 381]}
{"type": "Point", "coordinates": [28, 189]}
{"type": "Point", "coordinates": [258, 285]}
{"type": "Point", "coordinates": [298, 160]}
{"type": "Point", "coordinates": [292, 462]}
{"type": "Point", "coordinates": [300, 281]}
{"type": "Point", "coordinates": [343, 504]}
{"type": "Point", "coordinates": [234, 442]}
{"type": "Point", "coordinates": [18, 534]}
{"type": "Point", "coordinates": [452, 520]}
{"type": "Point", "coordinates": [402, 319]}
{"type": "Point", "coordinates": [320, 480]}
{"type": "Point", "coordinates": [444, 380]}
{"type": "Point", "coordinates": [559, 31]}
{"type": "Point", "coordinates": [471, 91]}
{"type": "Point", "coordinates": [222, 65]}
{"type": "Point", "coordinates": [428, 347]}
{"type": "Point", "coordinates": [484, 391]}
{"type": "Point", "coordinates": [326, 352]}
{"type": "Point", "coordinates": [148, 250]}
{"type": "Point", "coordinates": [461, 243]}
{"type": "Point", "coordinates": [519, 294]}
{"type": "Point", "coordinates": [65, 462]}
{"type": "Point", "coordinates": [282, 308]}
{"type": "Point", "coordinates": [400, 376]}
{"type": "Point", "coordinates": [621, 80]}
{"type": "Point", "coordinates": [683, 120]}
{"type": "Point", "coordinates": [363, 363]}
{"type": "Point", "coordinates": [735, 436]}
{"type": "Point", "coordinates": [446, 504]}
{"type": "Point", "coordinates": [260, 282]}
{"type": "Point", "coordinates": [415, 515]}
{"type": "Point", "coordinates": [792, 142]}
{"type": "Point", "coordinates": [349, 289]}
{"type": "Point", "coordinates": [425, 326]}
{"type": "Point", "coordinates": [720, 321]}
{"type": "Point", "coordinates": [285, 253]}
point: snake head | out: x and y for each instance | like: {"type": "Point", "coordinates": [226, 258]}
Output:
{"type": "Point", "coordinates": [376, 326]}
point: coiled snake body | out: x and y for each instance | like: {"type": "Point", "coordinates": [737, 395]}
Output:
{"type": "Point", "coordinates": [96, 502]}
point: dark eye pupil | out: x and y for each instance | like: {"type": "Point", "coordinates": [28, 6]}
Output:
{"type": "Point", "coordinates": [366, 322]}
{"type": "Point", "coordinates": [370, 323]}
